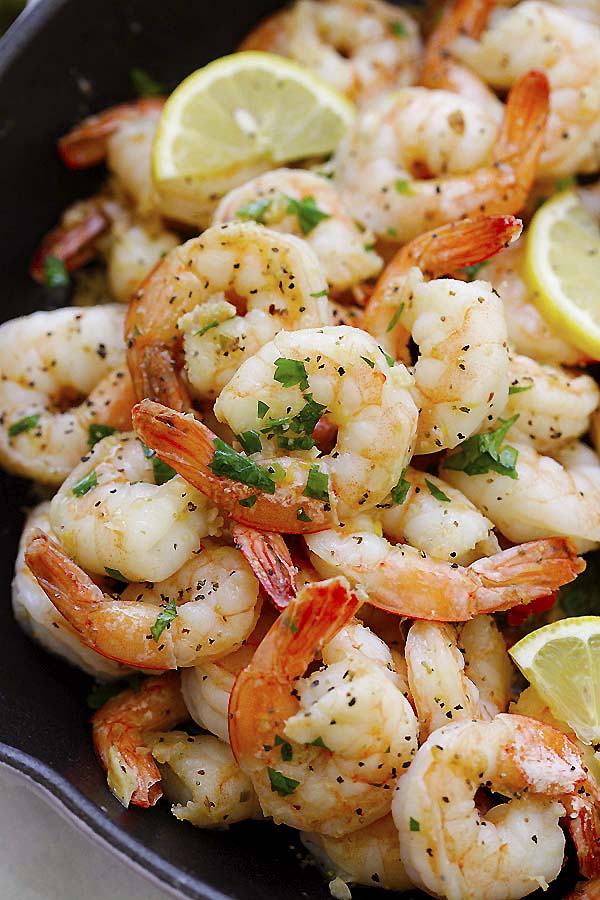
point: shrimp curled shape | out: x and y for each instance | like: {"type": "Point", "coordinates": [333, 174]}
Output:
{"type": "Point", "coordinates": [517, 846]}
{"type": "Point", "coordinates": [323, 752]}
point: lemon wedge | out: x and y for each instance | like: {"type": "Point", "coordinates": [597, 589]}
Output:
{"type": "Point", "coordinates": [562, 266]}
{"type": "Point", "coordinates": [562, 662]}
{"type": "Point", "coordinates": [238, 116]}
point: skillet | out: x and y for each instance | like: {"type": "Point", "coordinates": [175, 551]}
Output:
{"type": "Point", "coordinates": [62, 60]}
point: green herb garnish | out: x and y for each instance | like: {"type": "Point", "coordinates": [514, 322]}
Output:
{"type": "Point", "coordinates": [255, 210]}
{"type": "Point", "coordinates": [23, 425]}
{"type": "Point", "coordinates": [238, 467]}
{"type": "Point", "coordinates": [398, 29]}
{"type": "Point", "coordinates": [287, 753]}
{"type": "Point", "coordinates": [472, 271]}
{"type": "Point", "coordinates": [395, 317]}
{"type": "Point", "coordinates": [205, 328]}
{"type": "Point", "coordinates": [248, 502]}
{"type": "Point", "coordinates": [263, 409]}
{"type": "Point", "coordinates": [290, 372]}
{"type": "Point", "coordinates": [301, 515]}
{"type": "Point", "coordinates": [85, 484]}
{"type": "Point", "coordinates": [518, 389]}
{"type": "Point", "coordinates": [436, 492]}
{"type": "Point", "coordinates": [101, 693]}
{"type": "Point", "coordinates": [280, 784]}
{"type": "Point", "coordinates": [317, 485]}
{"type": "Point", "coordinates": [483, 453]}
{"type": "Point", "coordinates": [322, 293]}
{"type": "Point", "coordinates": [250, 441]}
{"type": "Point", "coordinates": [403, 187]}
{"type": "Point", "coordinates": [55, 272]}
{"type": "Point", "coordinates": [413, 824]}
{"type": "Point", "coordinates": [400, 491]}
{"type": "Point", "coordinates": [144, 85]}
{"type": "Point", "coordinates": [114, 573]}
{"type": "Point", "coordinates": [97, 432]}
{"type": "Point", "coordinates": [308, 213]}
{"type": "Point", "coordinates": [163, 620]}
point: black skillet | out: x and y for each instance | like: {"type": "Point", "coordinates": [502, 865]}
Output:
{"type": "Point", "coordinates": [62, 60]}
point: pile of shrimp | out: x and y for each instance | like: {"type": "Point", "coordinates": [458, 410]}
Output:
{"type": "Point", "coordinates": [312, 471]}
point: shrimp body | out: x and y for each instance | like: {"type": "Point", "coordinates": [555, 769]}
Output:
{"type": "Point", "coordinates": [344, 370]}
{"type": "Point", "coordinates": [61, 373]}
{"type": "Point", "coordinates": [448, 848]}
{"type": "Point", "coordinates": [320, 750]}
{"type": "Point", "coordinates": [203, 781]}
{"type": "Point", "coordinates": [487, 664]}
{"type": "Point", "coordinates": [361, 47]}
{"type": "Point", "coordinates": [110, 514]}
{"type": "Point", "coordinates": [537, 35]}
{"type": "Point", "coordinates": [422, 158]}
{"type": "Point", "coordinates": [405, 581]}
{"type": "Point", "coordinates": [551, 496]}
{"type": "Point", "coordinates": [191, 299]}
{"type": "Point", "coordinates": [342, 247]}
{"type": "Point", "coordinates": [40, 619]}
{"type": "Point", "coordinates": [121, 731]}
{"type": "Point", "coordinates": [212, 601]}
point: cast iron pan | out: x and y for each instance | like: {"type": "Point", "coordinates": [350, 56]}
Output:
{"type": "Point", "coordinates": [62, 60]}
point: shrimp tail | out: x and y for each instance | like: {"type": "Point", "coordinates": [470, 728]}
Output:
{"type": "Point", "coordinates": [521, 136]}
{"type": "Point", "coordinates": [462, 17]}
{"type": "Point", "coordinates": [160, 380]}
{"type": "Point", "coordinates": [270, 560]}
{"type": "Point", "coordinates": [583, 826]}
{"type": "Point", "coordinates": [74, 246]}
{"type": "Point", "coordinates": [536, 569]}
{"type": "Point", "coordinates": [118, 733]}
{"type": "Point", "coordinates": [112, 400]}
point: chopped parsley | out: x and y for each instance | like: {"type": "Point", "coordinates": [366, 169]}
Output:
{"type": "Point", "coordinates": [287, 753]}
{"type": "Point", "coordinates": [398, 29]}
{"type": "Point", "coordinates": [255, 210]}
{"type": "Point", "coordinates": [307, 212]}
{"type": "Point", "coordinates": [472, 271]}
{"type": "Point", "coordinates": [250, 441]}
{"type": "Point", "coordinates": [85, 484]}
{"type": "Point", "coordinates": [317, 485]}
{"type": "Point", "coordinates": [291, 625]}
{"type": "Point", "coordinates": [290, 372]}
{"type": "Point", "coordinates": [322, 293]}
{"type": "Point", "coordinates": [562, 184]}
{"type": "Point", "coordinates": [238, 467]}
{"type": "Point", "coordinates": [97, 432]}
{"type": "Point", "coordinates": [368, 361]}
{"type": "Point", "coordinates": [144, 84]}
{"type": "Point", "coordinates": [518, 389]}
{"type": "Point", "coordinates": [436, 492]}
{"type": "Point", "coordinates": [163, 620]}
{"type": "Point", "coordinates": [114, 573]}
{"type": "Point", "coordinates": [391, 363]}
{"type": "Point", "coordinates": [393, 232]}
{"type": "Point", "coordinates": [281, 784]}
{"type": "Point", "coordinates": [248, 502]}
{"type": "Point", "coordinates": [400, 491]}
{"type": "Point", "coordinates": [205, 328]}
{"type": "Point", "coordinates": [301, 515]}
{"type": "Point", "coordinates": [161, 470]}
{"type": "Point", "coordinates": [302, 425]}
{"type": "Point", "coordinates": [262, 408]}
{"type": "Point", "coordinates": [101, 693]}
{"type": "Point", "coordinates": [403, 187]}
{"type": "Point", "coordinates": [413, 824]}
{"type": "Point", "coordinates": [483, 453]}
{"type": "Point", "coordinates": [55, 272]}
{"type": "Point", "coordinates": [319, 742]}
{"type": "Point", "coordinates": [23, 425]}
{"type": "Point", "coordinates": [395, 317]}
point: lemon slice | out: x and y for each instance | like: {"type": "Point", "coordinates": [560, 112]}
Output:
{"type": "Point", "coordinates": [563, 268]}
{"type": "Point", "coordinates": [562, 662]}
{"type": "Point", "coordinates": [240, 115]}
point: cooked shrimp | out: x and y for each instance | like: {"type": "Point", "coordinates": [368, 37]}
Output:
{"type": "Point", "coordinates": [528, 331]}
{"type": "Point", "coordinates": [487, 664]}
{"type": "Point", "coordinates": [340, 372]}
{"type": "Point", "coordinates": [284, 198]}
{"type": "Point", "coordinates": [586, 890]}
{"type": "Point", "coordinates": [61, 380]}
{"type": "Point", "coordinates": [116, 511]}
{"type": "Point", "coordinates": [269, 558]}
{"type": "Point", "coordinates": [203, 781]}
{"type": "Point", "coordinates": [361, 47]}
{"type": "Point", "coordinates": [423, 158]}
{"type": "Point", "coordinates": [554, 406]}
{"type": "Point", "coordinates": [557, 496]}
{"type": "Point", "coordinates": [518, 846]}
{"type": "Point", "coordinates": [40, 619]}
{"type": "Point", "coordinates": [587, 10]}
{"type": "Point", "coordinates": [370, 856]}
{"type": "Point", "coordinates": [207, 609]}
{"type": "Point", "coordinates": [461, 376]}
{"type": "Point", "coordinates": [119, 731]}
{"type": "Point", "coordinates": [323, 752]}
{"type": "Point", "coordinates": [405, 581]}
{"type": "Point", "coordinates": [537, 35]}
{"type": "Point", "coordinates": [188, 302]}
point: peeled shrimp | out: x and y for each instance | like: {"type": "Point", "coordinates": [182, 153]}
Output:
{"type": "Point", "coordinates": [487, 664]}
{"type": "Point", "coordinates": [120, 729]}
{"type": "Point", "coordinates": [517, 846]}
{"type": "Point", "coordinates": [203, 781]}
{"type": "Point", "coordinates": [344, 250]}
{"type": "Point", "coordinates": [212, 604]}
{"type": "Point", "coordinates": [461, 376]}
{"type": "Point", "coordinates": [323, 752]}
{"type": "Point", "coordinates": [61, 377]}
{"type": "Point", "coordinates": [361, 47]}
{"type": "Point", "coordinates": [405, 581]}
{"type": "Point", "coordinates": [112, 513]}
{"type": "Point", "coordinates": [422, 158]}
{"type": "Point", "coordinates": [191, 302]}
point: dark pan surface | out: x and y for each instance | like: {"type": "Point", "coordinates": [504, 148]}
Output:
{"type": "Point", "coordinates": [44, 721]}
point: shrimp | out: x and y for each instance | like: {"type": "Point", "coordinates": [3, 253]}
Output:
{"type": "Point", "coordinates": [283, 198]}
{"type": "Point", "coordinates": [202, 780]}
{"type": "Point", "coordinates": [584, 9]}
{"type": "Point", "coordinates": [537, 35]}
{"type": "Point", "coordinates": [61, 382]}
{"type": "Point", "coordinates": [340, 372]}
{"type": "Point", "coordinates": [119, 730]}
{"type": "Point", "coordinates": [207, 609]}
{"type": "Point", "coordinates": [421, 158]}
{"type": "Point", "coordinates": [191, 301]}
{"type": "Point", "coordinates": [40, 619]}
{"type": "Point", "coordinates": [370, 856]}
{"type": "Point", "coordinates": [323, 752]}
{"type": "Point", "coordinates": [270, 560]}
{"type": "Point", "coordinates": [487, 664]}
{"type": "Point", "coordinates": [405, 581]}
{"type": "Point", "coordinates": [550, 496]}
{"type": "Point", "coordinates": [119, 510]}
{"type": "Point", "coordinates": [528, 331]}
{"type": "Point", "coordinates": [554, 406]}
{"type": "Point", "coordinates": [362, 47]}
{"type": "Point", "coordinates": [461, 376]}
{"type": "Point", "coordinates": [586, 890]}
{"type": "Point", "coordinates": [517, 846]}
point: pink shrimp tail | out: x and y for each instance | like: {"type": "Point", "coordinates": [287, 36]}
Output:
{"type": "Point", "coordinates": [584, 828]}
{"type": "Point", "coordinates": [462, 17]}
{"type": "Point", "coordinates": [160, 381]}
{"type": "Point", "coordinates": [270, 560]}
{"type": "Point", "coordinates": [74, 246]}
